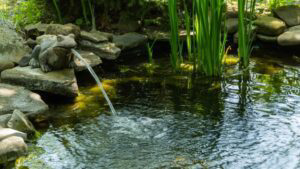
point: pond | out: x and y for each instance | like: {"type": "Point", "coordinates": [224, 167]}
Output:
{"type": "Point", "coordinates": [249, 119]}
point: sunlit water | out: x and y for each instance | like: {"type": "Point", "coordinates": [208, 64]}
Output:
{"type": "Point", "coordinates": [247, 120]}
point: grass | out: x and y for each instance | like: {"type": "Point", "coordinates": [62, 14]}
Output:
{"type": "Point", "coordinates": [246, 9]}
{"type": "Point", "coordinates": [187, 21]}
{"type": "Point", "coordinates": [57, 11]}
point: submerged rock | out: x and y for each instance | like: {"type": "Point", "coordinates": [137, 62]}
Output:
{"type": "Point", "coordinates": [130, 40]}
{"type": "Point", "coordinates": [93, 36]}
{"type": "Point", "coordinates": [62, 82]}
{"type": "Point", "coordinates": [289, 14]}
{"type": "Point", "coordinates": [89, 57]}
{"type": "Point", "coordinates": [16, 97]}
{"type": "Point", "coordinates": [20, 122]}
{"type": "Point", "coordinates": [11, 148]}
{"type": "Point", "coordinates": [107, 50]}
{"type": "Point", "coordinates": [12, 45]}
{"type": "Point", "coordinates": [267, 25]}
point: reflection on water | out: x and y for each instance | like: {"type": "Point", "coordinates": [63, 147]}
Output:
{"type": "Point", "coordinates": [249, 119]}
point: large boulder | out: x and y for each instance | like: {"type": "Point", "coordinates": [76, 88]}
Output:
{"type": "Point", "coordinates": [6, 64]}
{"type": "Point", "coordinates": [62, 82]}
{"type": "Point", "coordinates": [11, 148]}
{"type": "Point", "coordinates": [20, 122]}
{"type": "Point", "coordinates": [130, 40]}
{"type": "Point", "coordinates": [89, 57]}
{"type": "Point", "coordinates": [289, 14]}
{"type": "Point", "coordinates": [58, 29]}
{"type": "Point", "coordinates": [107, 50]}
{"type": "Point", "coordinates": [15, 97]}
{"type": "Point", "coordinates": [290, 38]}
{"type": "Point", "coordinates": [12, 45]}
{"type": "Point", "coordinates": [93, 36]}
{"type": "Point", "coordinates": [268, 25]}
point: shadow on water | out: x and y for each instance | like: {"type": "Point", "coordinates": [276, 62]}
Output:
{"type": "Point", "coordinates": [248, 119]}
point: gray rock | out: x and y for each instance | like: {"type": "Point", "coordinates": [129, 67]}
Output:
{"type": "Point", "coordinates": [130, 40]}
{"type": "Point", "coordinates": [93, 37]}
{"type": "Point", "coordinates": [290, 37]}
{"type": "Point", "coordinates": [58, 29]}
{"type": "Point", "coordinates": [34, 30]}
{"type": "Point", "coordinates": [20, 122]}
{"type": "Point", "coordinates": [7, 132]}
{"type": "Point", "coordinates": [11, 148]}
{"type": "Point", "coordinates": [15, 97]}
{"type": "Point", "coordinates": [89, 57]}
{"type": "Point", "coordinates": [231, 25]}
{"type": "Point", "coordinates": [6, 64]}
{"type": "Point", "coordinates": [104, 50]}
{"type": "Point", "coordinates": [61, 82]}
{"type": "Point", "coordinates": [289, 14]}
{"type": "Point", "coordinates": [109, 36]}
{"type": "Point", "coordinates": [12, 45]}
{"type": "Point", "coordinates": [264, 38]}
{"type": "Point", "coordinates": [267, 25]}
{"type": "Point", "coordinates": [4, 119]}
{"type": "Point", "coordinates": [42, 38]}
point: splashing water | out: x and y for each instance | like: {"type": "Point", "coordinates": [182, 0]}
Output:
{"type": "Point", "coordinates": [97, 80]}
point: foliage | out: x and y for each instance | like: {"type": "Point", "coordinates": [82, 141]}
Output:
{"type": "Point", "coordinates": [174, 41]}
{"type": "Point", "coordinates": [187, 21]}
{"type": "Point", "coordinates": [245, 32]}
{"type": "Point", "coordinates": [277, 3]}
{"type": "Point", "coordinates": [57, 11]}
{"type": "Point", "coordinates": [30, 11]}
{"type": "Point", "coordinates": [210, 45]}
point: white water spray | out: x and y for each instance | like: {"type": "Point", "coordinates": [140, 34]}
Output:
{"type": "Point", "coordinates": [97, 81]}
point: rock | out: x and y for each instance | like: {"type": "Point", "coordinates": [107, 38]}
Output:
{"type": "Point", "coordinates": [109, 36]}
{"type": "Point", "coordinates": [92, 59]}
{"type": "Point", "coordinates": [31, 43]}
{"type": "Point", "coordinates": [12, 45]}
{"type": "Point", "coordinates": [15, 97]}
{"type": "Point", "coordinates": [290, 38]}
{"type": "Point", "coordinates": [20, 122]}
{"type": "Point", "coordinates": [264, 38]}
{"type": "Point", "coordinates": [11, 148]}
{"type": "Point", "coordinates": [7, 132]}
{"type": "Point", "coordinates": [93, 37]}
{"type": "Point", "coordinates": [107, 50]}
{"type": "Point", "coordinates": [4, 119]}
{"type": "Point", "coordinates": [34, 30]}
{"type": "Point", "coordinates": [6, 64]}
{"type": "Point", "coordinates": [267, 25]}
{"type": "Point", "coordinates": [43, 38]}
{"type": "Point", "coordinates": [158, 35]}
{"type": "Point", "coordinates": [128, 23]}
{"type": "Point", "coordinates": [62, 82]}
{"type": "Point", "coordinates": [130, 40]}
{"type": "Point", "coordinates": [232, 25]}
{"type": "Point", "coordinates": [289, 14]}
{"type": "Point", "coordinates": [58, 29]}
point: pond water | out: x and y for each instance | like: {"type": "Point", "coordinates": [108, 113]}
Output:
{"type": "Point", "coordinates": [249, 119]}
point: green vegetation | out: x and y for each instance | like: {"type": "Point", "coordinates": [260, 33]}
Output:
{"type": "Point", "coordinates": [246, 9]}
{"type": "Point", "coordinates": [57, 11]}
{"type": "Point", "coordinates": [174, 42]}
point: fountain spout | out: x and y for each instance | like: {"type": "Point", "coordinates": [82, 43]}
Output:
{"type": "Point", "coordinates": [96, 79]}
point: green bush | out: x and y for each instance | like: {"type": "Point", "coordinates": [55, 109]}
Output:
{"type": "Point", "coordinates": [31, 11]}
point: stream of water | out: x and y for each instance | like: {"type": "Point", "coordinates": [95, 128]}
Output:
{"type": "Point", "coordinates": [248, 120]}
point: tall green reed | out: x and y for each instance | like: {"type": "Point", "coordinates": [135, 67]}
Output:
{"type": "Point", "coordinates": [210, 45]}
{"type": "Point", "coordinates": [187, 20]}
{"type": "Point", "coordinates": [92, 10]}
{"type": "Point", "coordinates": [57, 11]}
{"type": "Point", "coordinates": [84, 11]}
{"type": "Point", "coordinates": [246, 10]}
{"type": "Point", "coordinates": [174, 41]}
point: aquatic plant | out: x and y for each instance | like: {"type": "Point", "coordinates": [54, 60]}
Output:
{"type": "Point", "coordinates": [92, 10]}
{"type": "Point", "coordinates": [174, 41]}
{"type": "Point", "coordinates": [58, 13]}
{"type": "Point", "coordinates": [187, 21]}
{"type": "Point", "coordinates": [210, 45]}
{"type": "Point", "coordinates": [246, 10]}
{"type": "Point", "coordinates": [84, 12]}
